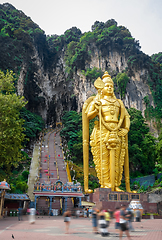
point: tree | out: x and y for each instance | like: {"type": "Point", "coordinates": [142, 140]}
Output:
{"type": "Point", "coordinates": [122, 80]}
{"type": "Point", "coordinates": [72, 133]}
{"type": "Point", "coordinates": [159, 151]}
{"type": "Point", "coordinates": [157, 57]}
{"type": "Point", "coordinates": [93, 73]}
{"type": "Point", "coordinates": [72, 122]}
{"type": "Point", "coordinates": [141, 145]}
{"type": "Point", "coordinates": [33, 124]}
{"type": "Point", "coordinates": [11, 130]}
{"type": "Point", "coordinates": [97, 25]}
{"type": "Point", "coordinates": [72, 34]}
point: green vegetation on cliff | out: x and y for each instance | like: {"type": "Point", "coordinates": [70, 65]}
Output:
{"type": "Point", "coordinates": [33, 124]}
{"type": "Point", "coordinates": [107, 37]}
{"type": "Point", "coordinates": [155, 83]}
{"type": "Point", "coordinates": [141, 145]}
{"type": "Point", "coordinates": [20, 37]}
{"type": "Point", "coordinates": [157, 57]}
{"type": "Point", "coordinates": [72, 134]}
{"type": "Point", "coordinates": [121, 81]}
{"type": "Point", "coordinates": [17, 33]}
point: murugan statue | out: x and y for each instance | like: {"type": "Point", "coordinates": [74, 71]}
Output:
{"type": "Point", "coordinates": [109, 138]}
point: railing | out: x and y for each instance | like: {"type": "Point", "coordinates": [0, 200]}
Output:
{"type": "Point", "coordinates": [40, 168]}
{"type": "Point", "coordinates": [65, 163]}
{"type": "Point", "coordinates": [56, 157]}
{"type": "Point", "coordinates": [48, 156]}
{"type": "Point", "coordinates": [68, 172]}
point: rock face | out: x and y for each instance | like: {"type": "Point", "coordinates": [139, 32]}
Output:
{"type": "Point", "coordinates": [137, 89]}
{"type": "Point", "coordinates": [57, 94]}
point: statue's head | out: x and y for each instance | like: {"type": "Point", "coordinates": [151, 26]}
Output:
{"type": "Point", "coordinates": [106, 78]}
{"type": "Point", "coordinates": [109, 84]}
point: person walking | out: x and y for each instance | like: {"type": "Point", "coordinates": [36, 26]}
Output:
{"type": "Point", "coordinates": [130, 216]}
{"type": "Point", "coordinates": [123, 223]}
{"type": "Point", "coordinates": [32, 215]}
{"type": "Point", "coordinates": [67, 219]}
{"type": "Point", "coordinates": [94, 220]}
{"type": "Point", "coordinates": [19, 214]}
{"type": "Point", "coordinates": [116, 215]}
{"type": "Point", "coordinates": [107, 217]}
{"type": "Point", "coordinates": [138, 215]}
{"type": "Point", "coordinates": [77, 213]}
{"type": "Point", "coordinates": [102, 224]}
{"type": "Point", "coordinates": [87, 212]}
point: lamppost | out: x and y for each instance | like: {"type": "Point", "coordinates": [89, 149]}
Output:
{"type": "Point", "coordinates": [3, 187]}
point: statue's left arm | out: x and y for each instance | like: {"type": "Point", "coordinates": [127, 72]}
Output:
{"type": "Point", "coordinates": [124, 121]}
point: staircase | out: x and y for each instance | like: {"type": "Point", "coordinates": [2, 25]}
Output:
{"type": "Point", "coordinates": [52, 168]}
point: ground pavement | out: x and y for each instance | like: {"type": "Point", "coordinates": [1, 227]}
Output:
{"type": "Point", "coordinates": [52, 228]}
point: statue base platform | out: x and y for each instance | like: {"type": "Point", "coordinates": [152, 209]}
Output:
{"type": "Point", "coordinates": [104, 198]}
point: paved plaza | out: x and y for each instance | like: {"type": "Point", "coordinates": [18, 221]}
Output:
{"type": "Point", "coordinates": [52, 228]}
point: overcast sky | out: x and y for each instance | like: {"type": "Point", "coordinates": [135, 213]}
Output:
{"type": "Point", "coordinates": [143, 18]}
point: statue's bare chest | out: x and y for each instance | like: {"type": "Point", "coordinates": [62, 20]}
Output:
{"type": "Point", "coordinates": [110, 110]}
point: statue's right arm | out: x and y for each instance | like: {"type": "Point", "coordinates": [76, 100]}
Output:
{"type": "Point", "coordinates": [92, 111]}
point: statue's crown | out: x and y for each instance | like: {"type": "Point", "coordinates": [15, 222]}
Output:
{"type": "Point", "coordinates": [107, 78]}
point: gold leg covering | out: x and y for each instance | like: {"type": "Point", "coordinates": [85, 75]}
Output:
{"type": "Point", "coordinates": [112, 160]}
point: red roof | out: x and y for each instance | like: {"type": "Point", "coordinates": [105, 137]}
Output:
{"type": "Point", "coordinates": [4, 185]}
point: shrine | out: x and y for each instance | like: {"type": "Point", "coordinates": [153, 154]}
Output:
{"type": "Point", "coordinates": [58, 191]}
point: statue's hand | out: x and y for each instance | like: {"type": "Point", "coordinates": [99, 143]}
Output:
{"type": "Point", "coordinates": [122, 132]}
{"type": "Point", "coordinates": [97, 104]}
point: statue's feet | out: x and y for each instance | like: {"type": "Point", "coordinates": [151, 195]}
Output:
{"type": "Point", "coordinates": [107, 186]}
{"type": "Point", "coordinates": [89, 191]}
{"type": "Point", "coordinates": [118, 189]}
{"type": "Point", "coordinates": [129, 190]}
{"type": "Point", "coordinates": [134, 191]}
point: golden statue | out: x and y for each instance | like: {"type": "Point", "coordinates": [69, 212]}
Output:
{"type": "Point", "coordinates": [109, 138]}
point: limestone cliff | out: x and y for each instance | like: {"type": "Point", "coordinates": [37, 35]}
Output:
{"type": "Point", "coordinates": [60, 94]}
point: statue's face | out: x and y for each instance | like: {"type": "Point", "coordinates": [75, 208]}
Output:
{"type": "Point", "coordinates": [108, 89]}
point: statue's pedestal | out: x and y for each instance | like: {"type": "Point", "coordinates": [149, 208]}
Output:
{"type": "Point", "coordinates": [106, 199]}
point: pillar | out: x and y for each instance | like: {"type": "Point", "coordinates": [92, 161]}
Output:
{"type": "Point", "coordinates": [2, 202]}
{"type": "Point", "coordinates": [65, 204]}
{"type": "Point", "coordinates": [50, 208]}
{"type": "Point", "coordinates": [35, 202]}
{"type": "Point", "coordinates": [80, 202]}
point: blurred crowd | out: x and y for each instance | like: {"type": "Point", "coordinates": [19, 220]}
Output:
{"type": "Point", "coordinates": [124, 216]}
{"type": "Point", "coordinates": [102, 218]}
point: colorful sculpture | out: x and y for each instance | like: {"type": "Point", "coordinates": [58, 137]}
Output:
{"type": "Point", "coordinates": [109, 138]}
